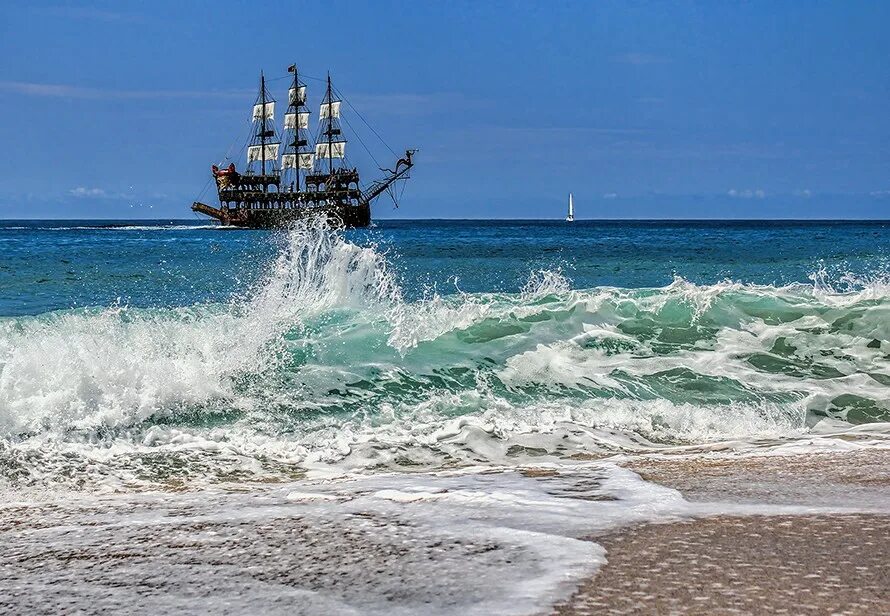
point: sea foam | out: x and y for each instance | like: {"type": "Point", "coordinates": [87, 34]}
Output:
{"type": "Point", "coordinates": [324, 363]}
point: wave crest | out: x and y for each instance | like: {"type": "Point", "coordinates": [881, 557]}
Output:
{"type": "Point", "coordinates": [325, 361]}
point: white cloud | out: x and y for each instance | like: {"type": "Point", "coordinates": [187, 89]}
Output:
{"type": "Point", "coordinates": [82, 191]}
{"type": "Point", "coordinates": [57, 90]}
{"type": "Point", "coordinates": [610, 196]}
{"type": "Point", "coordinates": [806, 193]}
{"type": "Point", "coordinates": [748, 193]}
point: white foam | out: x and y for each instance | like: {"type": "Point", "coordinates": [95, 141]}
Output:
{"type": "Point", "coordinates": [543, 283]}
{"type": "Point", "coordinates": [464, 542]}
{"type": "Point", "coordinates": [119, 366]}
{"type": "Point", "coordinates": [324, 364]}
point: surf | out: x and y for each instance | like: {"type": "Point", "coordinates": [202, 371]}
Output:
{"type": "Point", "coordinates": [323, 362]}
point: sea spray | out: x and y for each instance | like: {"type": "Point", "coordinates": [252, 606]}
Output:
{"type": "Point", "coordinates": [120, 366]}
{"type": "Point", "coordinates": [543, 283]}
{"type": "Point", "coordinates": [323, 362]}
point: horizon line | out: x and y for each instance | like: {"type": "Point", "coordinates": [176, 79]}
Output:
{"type": "Point", "coordinates": [556, 219]}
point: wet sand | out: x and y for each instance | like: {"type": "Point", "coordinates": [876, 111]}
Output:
{"type": "Point", "coordinates": [807, 564]}
{"type": "Point", "coordinates": [857, 476]}
{"type": "Point", "coordinates": [743, 565]}
{"type": "Point", "coordinates": [278, 565]}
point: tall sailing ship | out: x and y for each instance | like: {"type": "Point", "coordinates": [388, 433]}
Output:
{"type": "Point", "coordinates": [304, 177]}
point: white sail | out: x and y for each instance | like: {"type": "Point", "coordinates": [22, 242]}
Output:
{"type": "Point", "coordinates": [296, 120]}
{"type": "Point", "coordinates": [571, 216]}
{"type": "Point", "coordinates": [332, 109]}
{"type": "Point", "coordinates": [337, 149]}
{"type": "Point", "coordinates": [258, 111]}
{"type": "Point", "coordinates": [292, 95]}
{"type": "Point", "coordinates": [289, 161]}
{"type": "Point", "coordinates": [306, 160]}
{"type": "Point", "coordinates": [255, 152]}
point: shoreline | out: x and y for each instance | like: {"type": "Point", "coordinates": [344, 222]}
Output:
{"type": "Point", "coordinates": [800, 533]}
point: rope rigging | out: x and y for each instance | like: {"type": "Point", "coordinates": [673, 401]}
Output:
{"type": "Point", "coordinates": [362, 118]}
{"type": "Point", "coordinates": [248, 199]}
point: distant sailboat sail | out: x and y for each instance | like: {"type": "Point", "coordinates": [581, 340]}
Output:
{"type": "Point", "coordinates": [571, 216]}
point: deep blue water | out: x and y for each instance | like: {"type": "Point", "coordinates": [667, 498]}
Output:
{"type": "Point", "coordinates": [51, 265]}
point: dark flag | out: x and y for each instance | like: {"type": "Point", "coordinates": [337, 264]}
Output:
{"type": "Point", "coordinates": [292, 68]}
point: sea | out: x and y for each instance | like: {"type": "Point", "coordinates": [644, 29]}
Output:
{"type": "Point", "coordinates": [421, 417]}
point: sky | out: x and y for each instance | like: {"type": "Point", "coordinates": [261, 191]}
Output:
{"type": "Point", "coordinates": [642, 109]}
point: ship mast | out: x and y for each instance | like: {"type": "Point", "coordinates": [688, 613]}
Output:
{"type": "Point", "coordinates": [330, 130]}
{"type": "Point", "coordinates": [330, 127]}
{"type": "Point", "coordinates": [263, 122]}
{"type": "Point", "coordinates": [245, 198]}
{"type": "Point", "coordinates": [262, 149]}
{"type": "Point", "coordinates": [296, 104]}
{"type": "Point", "coordinates": [295, 120]}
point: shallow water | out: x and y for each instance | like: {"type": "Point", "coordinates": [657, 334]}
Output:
{"type": "Point", "coordinates": [459, 542]}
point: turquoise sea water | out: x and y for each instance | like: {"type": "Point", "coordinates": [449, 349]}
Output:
{"type": "Point", "coordinates": [135, 353]}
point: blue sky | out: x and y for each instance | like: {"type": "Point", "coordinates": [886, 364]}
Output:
{"type": "Point", "coordinates": [711, 109]}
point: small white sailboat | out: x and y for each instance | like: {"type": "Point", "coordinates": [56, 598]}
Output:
{"type": "Point", "coordinates": [571, 216]}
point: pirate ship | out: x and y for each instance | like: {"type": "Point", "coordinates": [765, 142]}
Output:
{"type": "Point", "coordinates": [279, 185]}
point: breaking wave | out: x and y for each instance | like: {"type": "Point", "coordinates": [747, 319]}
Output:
{"type": "Point", "coordinates": [324, 364]}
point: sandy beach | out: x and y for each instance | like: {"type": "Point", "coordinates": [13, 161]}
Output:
{"type": "Point", "coordinates": [802, 564]}
{"type": "Point", "coordinates": [743, 565]}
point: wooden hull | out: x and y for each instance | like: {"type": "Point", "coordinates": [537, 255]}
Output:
{"type": "Point", "coordinates": [341, 216]}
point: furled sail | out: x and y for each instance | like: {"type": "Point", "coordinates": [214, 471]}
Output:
{"type": "Point", "coordinates": [258, 111]}
{"type": "Point", "coordinates": [296, 120]}
{"type": "Point", "coordinates": [255, 152]}
{"type": "Point", "coordinates": [331, 109]}
{"type": "Point", "coordinates": [294, 99]}
{"type": "Point", "coordinates": [336, 149]}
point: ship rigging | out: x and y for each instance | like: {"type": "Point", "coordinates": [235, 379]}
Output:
{"type": "Point", "coordinates": [303, 178]}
